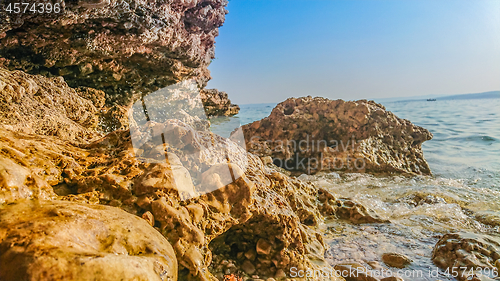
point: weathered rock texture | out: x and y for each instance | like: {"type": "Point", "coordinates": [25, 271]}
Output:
{"type": "Point", "coordinates": [200, 229]}
{"type": "Point", "coordinates": [316, 134]}
{"type": "Point", "coordinates": [56, 240]}
{"type": "Point", "coordinates": [217, 103]}
{"type": "Point", "coordinates": [471, 255]}
{"type": "Point", "coordinates": [34, 104]}
{"type": "Point", "coordinates": [122, 47]}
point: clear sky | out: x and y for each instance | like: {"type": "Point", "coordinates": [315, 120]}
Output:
{"type": "Point", "coordinates": [269, 50]}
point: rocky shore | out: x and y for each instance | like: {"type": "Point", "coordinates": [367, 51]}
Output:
{"type": "Point", "coordinates": [86, 195]}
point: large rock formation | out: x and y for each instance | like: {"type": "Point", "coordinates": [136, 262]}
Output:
{"type": "Point", "coordinates": [56, 240]}
{"type": "Point", "coordinates": [308, 135]}
{"type": "Point", "coordinates": [217, 103]}
{"type": "Point", "coordinates": [122, 47]}
{"type": "Point", "coordinates": [200, 229]}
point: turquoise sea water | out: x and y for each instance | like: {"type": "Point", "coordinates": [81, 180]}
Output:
{"type": "Point", "coordinates": [464, 156]}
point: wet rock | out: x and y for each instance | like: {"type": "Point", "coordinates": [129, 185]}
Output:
{"type": "Point", "coordinates": [422, 198]}
{"type": "Point", "coordinates": [217, 103]}
{"type": "Point", "coordinates": [488, 217]}
{"type": "Point", "coordinates": [375, 265]}
{"type": "Point", "coordinates": [350, 210]}
{"type": "Point", "coordinates": [467, 250]}
{"type": "Point", "coordinates": [112, 118]}
{"type": "Point", "coordinates": [71, 241]}
{"type": "Point", "coordinates": [308, 135]}
{"type": "Point", "coordinates": [345, 208]}
{"type": "Point", "coordinates": [124, 48]}
{"type": "Point", "coordinates": [34, 104]}
{"type": "Point", "coordinates": [396, 260]}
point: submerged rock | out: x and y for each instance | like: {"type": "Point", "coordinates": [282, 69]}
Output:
{"type": "Point", "coordinates": [472, 256]}
{"type": "Point", "coordinates": [309, 135]}
{"type": "Point", "coordinates": [217, 103]}
{"type": "Point", "coordinates": [122, 47]}
{"type": "Point", "coordinates": [55, 240]}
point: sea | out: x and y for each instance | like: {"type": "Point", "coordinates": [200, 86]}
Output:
{"type": "Point", "coordinates": [464, 157]}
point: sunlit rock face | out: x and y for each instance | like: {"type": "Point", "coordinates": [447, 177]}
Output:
{"type": "Point", "coordinates": [122, 47]}
{"type": "Point", "coordinates": [57, 240]}
{"type": "Point", "coordinates": [262, 209]}
{"type": "Point", "coordinates": [308, 135]}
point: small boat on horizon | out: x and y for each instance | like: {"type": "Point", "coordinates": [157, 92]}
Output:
{"type": "Point", "coordinates": [431, 99]}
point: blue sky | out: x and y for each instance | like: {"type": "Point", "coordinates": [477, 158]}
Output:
{"type": "Point", "coordinates": [269, 50]}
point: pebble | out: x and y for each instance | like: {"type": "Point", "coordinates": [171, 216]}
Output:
{"type": "Point", "coordinates": [396, 260]}
{"type": "Point", "coordinates": [251, 254]}
{"type": "Point", "coordinates": [149, 218]}
{"type": "Point", "coordinates": [248, 267]}
{"type": "Point", "coordinates": [280, 273]}
{"type": "Point", "coordinates": [375, 265]}
{"type": "Point", "coordinates": [263, 247]}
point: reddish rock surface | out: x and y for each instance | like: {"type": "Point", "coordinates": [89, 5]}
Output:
{"type": "Point", "coordinates": [122, 47]}
{"type": "Point", "coordinates": [308, 135]}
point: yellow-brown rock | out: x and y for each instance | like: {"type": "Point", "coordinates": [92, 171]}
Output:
{"type": "Point", "coordinates": [34, 104]}
{"type": "Point", "coordinates": [462, 251]}
{"type": "Point", "coordinates": [262, 203]}
{"type": "Point", "coordinates": [57, 240]}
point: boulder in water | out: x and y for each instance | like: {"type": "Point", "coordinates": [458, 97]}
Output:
{"type": "Point", "coordinates": [308, 135]}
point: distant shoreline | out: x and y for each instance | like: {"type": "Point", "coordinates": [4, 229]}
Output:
{"type": "Point", "coordinates": [484, 95]}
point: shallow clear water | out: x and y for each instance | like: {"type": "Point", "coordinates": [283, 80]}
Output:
{"type": "Point", "coordinates": [464, 156]}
